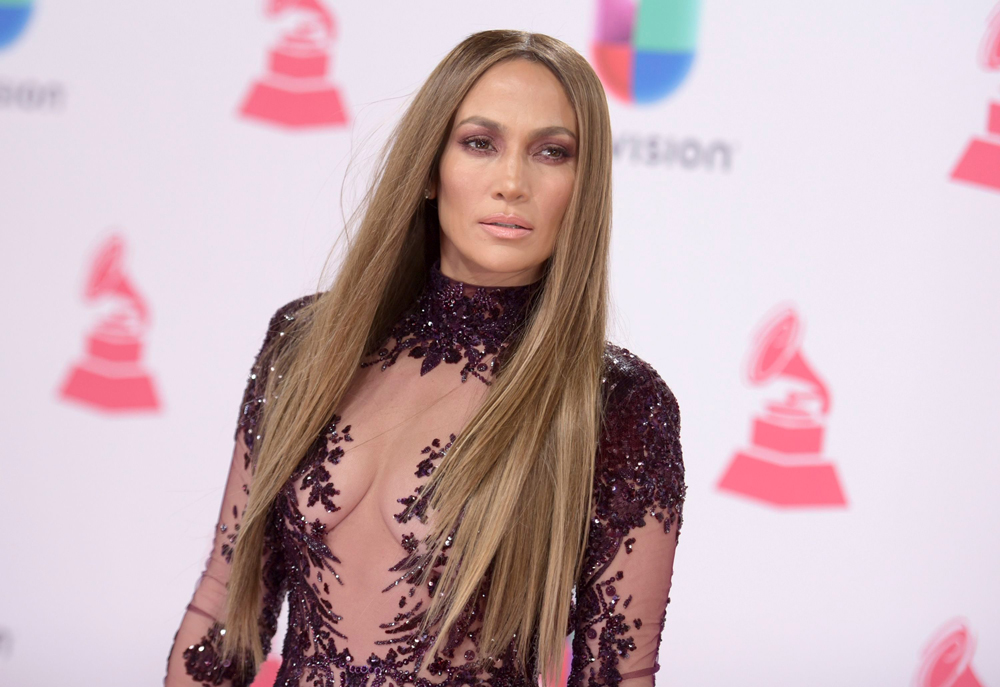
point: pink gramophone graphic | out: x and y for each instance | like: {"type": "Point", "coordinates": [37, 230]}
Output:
{"type": "Point", "coordinates": [110, 376]}
{"type": "Point", "coordinates": [784, 465]}
{"type": "Point", "coordinates": [980, 163]}
{"type": "Point", "coordinates": [296, 92]}
{"type": "Point", "coordinates": [947, 658]}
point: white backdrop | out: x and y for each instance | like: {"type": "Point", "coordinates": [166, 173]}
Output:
{"type": "Point", "coordinates": [843, 122]}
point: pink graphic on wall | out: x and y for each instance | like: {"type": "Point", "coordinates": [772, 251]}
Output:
{"type": "Point", "coordinates": [980, 163]}
{"type": "Point", "coordinates": [784, 464]}
{"type": "Point", "coordinates": [947, 659]}
{"type": "Point", "coordinates": [110, 375]}
{"type": "Point", "coordinates": [562, 678]}
{"type": "Point", "coordinates": [296, 91]}
{"type": "Point", "coordinates": [268, 672]}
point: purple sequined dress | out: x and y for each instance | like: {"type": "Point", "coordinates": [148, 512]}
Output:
{"type": "Point", "coordinates": [340, 550]}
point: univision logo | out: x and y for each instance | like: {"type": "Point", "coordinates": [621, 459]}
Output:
{"type": "Point", "coordinates": [643, 49]}
{"type": "Point", "coordinates": [14, 16]}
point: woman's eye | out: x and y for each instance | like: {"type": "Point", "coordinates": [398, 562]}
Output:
{"type": "Point", "coordinates": [554, 152]}
{"type": "Point", "coordinates": [478, 143]}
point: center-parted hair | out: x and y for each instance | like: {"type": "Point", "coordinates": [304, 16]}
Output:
{"type": "Point", "coordinates": [511, 501]}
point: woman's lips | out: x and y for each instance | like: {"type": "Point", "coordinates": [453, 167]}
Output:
{"type": "Point", "coordinates": [505, 232]}
{"type": "Point", "coordinates": [506, 226]}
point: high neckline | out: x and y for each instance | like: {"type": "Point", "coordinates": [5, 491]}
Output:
{"type": "Point", "coordinates": [438, 281]}
{"type": "Point", "coordinates": [454, 321]}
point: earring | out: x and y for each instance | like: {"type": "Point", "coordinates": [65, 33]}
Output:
{"type": "Point", "coordinates": [427, 193]}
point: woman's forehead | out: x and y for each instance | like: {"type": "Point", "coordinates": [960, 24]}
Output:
{"type": "Point", "coordinates": [518, 94]}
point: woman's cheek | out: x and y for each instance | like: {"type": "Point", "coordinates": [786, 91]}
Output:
{"type": "Point", "coordinates": [558, 195]}
{"type": "Point", "coordinates": [463, 178]}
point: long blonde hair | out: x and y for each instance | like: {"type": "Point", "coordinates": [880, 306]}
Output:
{"type": "Point", "coordinates": [518, 480]}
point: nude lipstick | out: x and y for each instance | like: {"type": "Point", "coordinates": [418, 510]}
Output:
{"type": "Point", "coordinates": [506, 226]}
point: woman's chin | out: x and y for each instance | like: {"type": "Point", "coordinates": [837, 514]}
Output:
{"type": "Point", "coordinates": [506, 260]}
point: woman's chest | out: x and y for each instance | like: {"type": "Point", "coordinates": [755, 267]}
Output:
{"type": "Point", "coordinates": [391, 431]}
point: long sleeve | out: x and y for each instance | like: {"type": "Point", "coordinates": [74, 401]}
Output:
{"type": "Point", "coordinates": [623, 590]}
{"type": "Point", "coordinates": [195, 654]}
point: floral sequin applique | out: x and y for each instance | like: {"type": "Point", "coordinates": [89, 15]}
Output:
{"type": "Point", "coordinates": [637, 505]}
{"type": "Point", "coordinates": [447, 324]}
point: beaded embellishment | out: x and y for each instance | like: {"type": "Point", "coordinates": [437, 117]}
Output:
{"type": "Point", "coordinates": [453, 321]}
{"type": "Point", "coordinates": [618, 607]}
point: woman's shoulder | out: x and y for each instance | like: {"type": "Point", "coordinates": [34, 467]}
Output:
{"type": "Point", "coordinates": [278, 326]}
{"type": "Point", "coordinates": [284, 315]}
{"type": "Point", "coordinates": [633, 389]}
{"type": "Point", "coordinates": [253, 393]}
{"type": "Point", "coordinates": [627, 376]}
{"type": "Point", "coordinates": [640, 467]}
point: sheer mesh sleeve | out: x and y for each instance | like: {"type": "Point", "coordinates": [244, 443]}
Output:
{"type": "Point", "coordinates": [195, 657]}
{"type": "Point", "coordinates": [623, 590]}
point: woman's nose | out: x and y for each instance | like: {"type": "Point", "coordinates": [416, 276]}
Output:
{"type": "Point", "coordinates": [510, 182]}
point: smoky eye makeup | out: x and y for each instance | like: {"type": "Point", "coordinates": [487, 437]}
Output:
{"type": "Point", "coordinates": [476, 138]}
{"type": "Point", "coordinates": [558, 150]}
{"type": "Point", "coordinates": [549, 150]}
{"type": "Point", "coordinates": [479, 144]}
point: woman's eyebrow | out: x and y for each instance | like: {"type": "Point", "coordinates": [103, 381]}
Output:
{"type": "Point", "coordinates": [497, 126]}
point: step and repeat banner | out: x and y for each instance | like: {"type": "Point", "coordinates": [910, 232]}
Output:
{"type": "Point", "coordinates": [806, 247]}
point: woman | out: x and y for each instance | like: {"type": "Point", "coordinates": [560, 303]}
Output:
{"type": "Point", "coordinates": [467, 320]}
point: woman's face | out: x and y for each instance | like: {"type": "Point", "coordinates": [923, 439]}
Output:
{"type": "Point", "coordinates": [510, 159]}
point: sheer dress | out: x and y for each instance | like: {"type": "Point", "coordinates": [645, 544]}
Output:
{"type": "Point", "coordinates": [340, 549]}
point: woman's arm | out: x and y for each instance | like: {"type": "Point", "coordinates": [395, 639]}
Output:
{"type": "Point", "coordinates": [624, 588]}
{"type": "Point", "coordinates": [620, 612]}
{"type": "Point", "coordinates": [195, 655]}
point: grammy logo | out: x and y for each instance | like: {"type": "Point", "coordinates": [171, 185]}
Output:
{"type": "Point", "coordinates": [947, 660]}
{"type": "Point", "coordinates": [110, 376]}
{"type": "Point", "coordinates": [784, 465]}
{"type": "Point", "coordinates": [295, 92]}
{"type": "Point", "coordinates": [980, 163]}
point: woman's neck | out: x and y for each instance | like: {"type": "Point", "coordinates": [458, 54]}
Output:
{"type": "Point", "coordinates": [452, 321]}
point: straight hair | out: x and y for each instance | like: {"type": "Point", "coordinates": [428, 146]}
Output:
{"type": "Point", "coordinates": [512, 499]}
